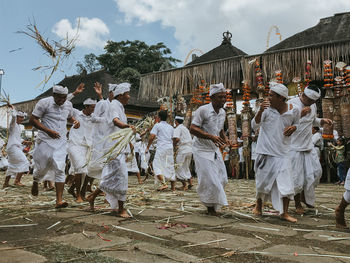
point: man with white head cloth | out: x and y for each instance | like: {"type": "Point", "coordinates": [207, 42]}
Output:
{"type": "Point", "coordinates": [307, 169]}
{"type": "Point", "coordinates": [17, 161]}
{"type": "Point", "coordinates": [114, 179]}
{"type": "Point", "coordinates": [277, 120]}
{"type": "Point", "coordinates": [51, 144]}
{"type": "Point", "coordinates": [208, 128]}
{"type": "Point", "coordinates": [183, 144]}
{"type": "Point", "coordinates": [79, 147]}
{"type": "Point", "coordinates": [163, 163]}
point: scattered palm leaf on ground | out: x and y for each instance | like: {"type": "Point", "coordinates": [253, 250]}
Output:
{"type": "Point", "coordinates": [58, 51]}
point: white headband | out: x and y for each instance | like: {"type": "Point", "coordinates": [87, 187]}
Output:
{"type": "Point", "coordinates": [111, 87]}
{"type": "Point", "coordinates": [121, 89]}
{"type": "Point", "coordinates": [179, 118]}
{"type": "Point", "coordinates": [279, 88]}
{"type": "Point", "coordinates": [21, 114]}
{"type": "Point", "coordinates": [311, 94]}
{"type": "Point", "coordinates": [60, 90]}
{"type": "Point", "coordinates": [89, 102]}
{"type": "Point", "coordinates": [216, 88]}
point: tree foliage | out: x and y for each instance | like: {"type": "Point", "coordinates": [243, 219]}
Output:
{"type": "Point", "coordinates": [127, 60]}
{"type": "Point", "coordinates": [90, 64]}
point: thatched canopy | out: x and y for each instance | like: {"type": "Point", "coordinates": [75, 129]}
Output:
{"type": "Point", "coordinates": [221, 64]}
{"type": "Point", "coordinates": [329, 39]}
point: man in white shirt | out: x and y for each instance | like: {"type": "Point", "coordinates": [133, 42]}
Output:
{"type": "Point", "coordinates": [208, 128]}
{"type": "Point", "coordinates": [114, 179]}
{"type": "Point", "coordinates": [182, 141]}
{"type": "Point", "coordinates": [17, 161]}
{"type": "Point", "coordinates": [273, 171]}
{"type": "Point", "coordinates": [163, 163]}
{"type": "Point", "coordinates": [307, 169]}
{"type": "Point", "coordinates": [345, 201]}
{"type": "Point", "coordinates": [317, 140]}
{"type": "Point", "coordinates": [3, 159]}
{"type": "Point", "coordinates": [51, 144]}
{"type": "Point", "coordinates": [79, 146]}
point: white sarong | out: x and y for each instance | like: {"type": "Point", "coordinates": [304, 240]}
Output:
{"type": "Point", "coordinates": [212, 178]}
{"type": "Point", "coordinates": [49, 162]}
{"type": "Point", "coordinates": [274, 180]}
{"type": "Point", "coordinates": [347, 187]}
{"type": "Point", "coordinates": [163, 164]}
{"type": "Point", "coordinates": [78, 156]}
{"type": "Point", "coordinates": [114, 181]}
{"type": "Point", "coordinates": [17, 161]}
{"type": "Point", "coordinates": [132, 164]}
{"type": "Point", "coordinates": [3, 162]}
{"type": "Point", "coordinates": [307, 172]}
{"type": "Point", "coordinates": [183, 161]}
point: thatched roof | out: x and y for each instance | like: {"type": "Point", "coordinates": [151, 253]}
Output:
{"type": "Point", "coordinates": [328, 40]}
{"type": "Point", "coordinates": [101, 76]}
{"type": "Point", "coordinates": [222, 64]}
{"type": "Point", "coordinates": [225, 50]}
{"type": "Point", "coordinates": [329, 29]}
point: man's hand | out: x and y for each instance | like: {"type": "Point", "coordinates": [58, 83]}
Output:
{"type": "Point", "coordinates": [217, 140]}
{"type": "Point", "coordinates": [76, 124]}
{"type": "Point", "coordinates": [326, 121]}
{"type": "Point", "coordinates": [133, 128]}
{"type": "Point", "coordinates": [79, 89]}
{"type": "Point", "coordinates": [264, 105]}
{"type": "Point", "coordinates": [98, 90]}
{"type": "Point", "coordinates": [53, 134]}
{"type": "Point", "coordinates": [305, 111]}
{"type": "Point", "coordinates": [288, 131]}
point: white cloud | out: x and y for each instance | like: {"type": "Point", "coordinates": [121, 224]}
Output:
{"type": "Point", "coordinates": [200, 24]}
{"type": "Point", "coordinates": [91, 32]}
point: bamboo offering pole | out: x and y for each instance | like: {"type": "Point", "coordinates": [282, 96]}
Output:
{"type": "Point", "coordinates": [328, 111]}
{"type": "Point", "coordinates": [260, 88]}
{"type": "Point", "coordinates": [246, 116]}
{"type": "Point", "coordinates": [345, 103]}
{"type": "Point", "coordinates": [232, 133]}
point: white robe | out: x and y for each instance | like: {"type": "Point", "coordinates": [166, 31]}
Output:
{"type": "Point", "coordinates": [210, 167]}
{"type": "Point", "coordinates": [50, 154]}
{"type": "Point", "coordinates": [79, 143]}
{"type": "Point", "coordinates": [184, 153]}
{"type": "Point", "coordinates": [273, 170]}
{"type": "Point", "coordinates": [114, 179]}
{"type": "Point", "coordinates": [163, 163]}
{"type": "Point", "coordinates": [347, 187]}
{"type": "Point", "coordinates": [307, 169]}
{"type": "Point", "coordinates": [17, 161]}
{"type": "Point", "coordinates": [99, 134]}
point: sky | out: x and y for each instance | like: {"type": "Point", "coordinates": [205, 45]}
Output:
{"type": "Point", "coordinates": [182, 25]}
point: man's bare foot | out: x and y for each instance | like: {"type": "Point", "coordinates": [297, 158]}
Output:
{"type": "Point", "coordinates": [163, 187]}
{"type": "Point", "coordinates": [189, 186]}
{"type": "Point", "coordinates": [257, 211]}
{"type": "Point", "coordinates": [79, 199]}
{"type": "Point", "coordinates": [61, 205]}
{"type": "Point", "coordinates": [5, 185]}
{"type": "Point", "coordinates": [288, 218]}
{"type": "Point", "coordinates": [49, 188]}
{"type": "Point", "coordinates": [123, 214]}
{"type": "Point", "coordinates": [340, 219]}
{"type": "Point", "coordinates": [71, 191]}
{"type": "Point", "coordinates": [309, 206]}
{"type": "Point", "coordinates": [90, 198]}
{"type": "Point", "coordinates": [18, 184]}
{"type": "Point", "coordinates": [140, 181]}
{"type": "Point", "coordinates": [35, 188]}
{"type": "Point", "coordinates": [300, 210]}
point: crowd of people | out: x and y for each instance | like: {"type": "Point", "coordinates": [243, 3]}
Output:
{"type": "Point", "coordinates": [285, 150]}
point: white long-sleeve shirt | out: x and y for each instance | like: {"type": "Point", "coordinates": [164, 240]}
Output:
{"type": "Point", "coordinates": [302, 137]}
{"type": "Point", "coordinates": [271, 140]}
{"type": "Point", "coordinates": [14, 132]}
{"type": "Point", "coordinates": [83, 135]}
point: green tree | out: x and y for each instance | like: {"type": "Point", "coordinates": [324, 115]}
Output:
{"type": "Point", "coordinates": [90, 64]}
{"type": "Point", "coordinates": [127, 60]}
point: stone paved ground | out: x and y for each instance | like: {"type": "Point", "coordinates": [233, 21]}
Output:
{"type": "Point", "coordinates": [167, 227]}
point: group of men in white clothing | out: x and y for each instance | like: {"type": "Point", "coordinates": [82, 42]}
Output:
{"type": "Point", "coordinates": [286, 165]}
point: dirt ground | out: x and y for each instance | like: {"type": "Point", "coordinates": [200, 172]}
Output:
{"type": "Point", "coordinates": [167, 227]}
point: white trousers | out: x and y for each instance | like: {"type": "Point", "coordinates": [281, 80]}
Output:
{"type": "Point", "coordinates": [17, 161]}
{"type": "Point", "coordinates": [49, 162]}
